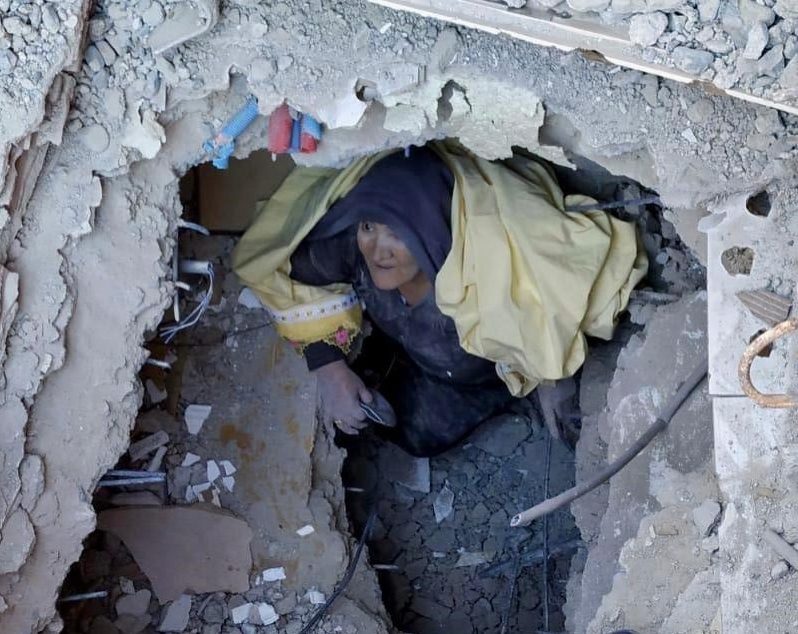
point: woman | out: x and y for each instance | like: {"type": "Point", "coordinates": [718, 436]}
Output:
{"type": "Point", "coordinates": [453, 259]}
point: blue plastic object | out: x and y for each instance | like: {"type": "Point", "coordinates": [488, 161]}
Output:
{"type": "Point", "coordinates": [222, 145]}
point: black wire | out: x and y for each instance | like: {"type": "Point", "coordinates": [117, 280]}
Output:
{"type": "Point", "coordinates": [232, 333]}
{"type": "Point", "coordinates": [350, 572]}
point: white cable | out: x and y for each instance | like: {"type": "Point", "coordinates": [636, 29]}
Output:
{"type": "Point", "coordinates": [170, 332]}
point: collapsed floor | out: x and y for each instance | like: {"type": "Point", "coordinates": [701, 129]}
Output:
{"type": "Point", "coordinates": [91, 158]}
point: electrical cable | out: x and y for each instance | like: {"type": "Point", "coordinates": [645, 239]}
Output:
{"type": "Point", "coordinates": [350, 572]}
{"type": "Point", "coordinates": [677, 400]}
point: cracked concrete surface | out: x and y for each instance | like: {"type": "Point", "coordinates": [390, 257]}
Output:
{"type": "Point", "coordinates": [89, 205]}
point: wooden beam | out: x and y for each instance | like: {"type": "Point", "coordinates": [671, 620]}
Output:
{"type": "Point", "coordinates": [566, 34]}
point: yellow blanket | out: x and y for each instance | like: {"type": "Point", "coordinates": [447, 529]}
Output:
{"type": "Point", "coordinates": [524, 282]}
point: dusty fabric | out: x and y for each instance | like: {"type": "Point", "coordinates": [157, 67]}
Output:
{"type": "Point", "coordinates": [524, 281]}
{"type": "Point", "coordinates": [302, 313]}
{"type": "Point", "coordinates": [427, 337]}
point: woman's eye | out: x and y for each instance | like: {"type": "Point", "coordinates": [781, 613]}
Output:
{"type": "Point", "coordinates": [366, 226]}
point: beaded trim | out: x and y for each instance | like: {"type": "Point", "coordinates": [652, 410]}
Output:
{"type": "Point", "coordinates": [317, 311]}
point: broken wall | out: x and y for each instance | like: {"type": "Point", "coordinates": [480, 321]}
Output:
{"type": "Point", "coordinates": [91, 247]}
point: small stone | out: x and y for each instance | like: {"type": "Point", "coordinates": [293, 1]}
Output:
{"type": "Point", "coordinates": [176, 615]}
{"type": "Point", "coordinates": [706, 516]}
{"type": "Point", "coordinates": [692, 60]}
{"type": "Point", "coordinates": [646, 28]}
{"type": "Point", "coordinates": [14, 25]}
{"type": "Point", "coordinates": [588, 5]}
{"type": "Point", "coordinates": [154, 15]}
{"type": "Point", "coordinates": [286, 605]}
{"type": "Point", "coordinates": [708, 10]}
{"type": "Point", "coordinates": [8, 60]}
{"type": "Point", "coordinates": [772, 62]}
{"type": "Point", "coordinates": [284, 62]}
{"type": "Point", "coordinates": [757, 41]}
{"type": "Point", "coordinates": [94, 60]}
{"type": "Point", "coordinates": [779, 570]}
{"type": "Point", "coordinates": [106, 51]}
{"type": "Point", "coordinates": [214, 612]}
{"type": "Point", "coordinates": [751, 12]}
{"type": "Point", "coordinates": [136, 604]}
{"type": "Point", "coordinates": [305, 530]}
{"type": "Point", "coordinates": [50, 18]}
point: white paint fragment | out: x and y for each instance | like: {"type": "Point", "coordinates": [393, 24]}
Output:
{"type": "Point", "coordinates": [190, 495]}
{"type": "Point", "coordinates": [443, 504]}
{"type": "Point", "coordinates": [156, 394]}
{"type": "Point", "coordinates": [385, 28]}
{"type": "Point", "coordinates": [688, 135]}
{"type": "Point", "coordinates": [213, 471]}
{"type": "Point", "coordinates": [199, 489]}
{"type": "Point", "coordinates": [248, 299]}
{"type": "Point", "coordinates": [306, 530]}
{"type": "Point", "coordinates": [227, 467]}
{"type": "Point", "coordinates": [241, 613]}
{"type": "Point", "coordinates": [272, 574]}
{"type": "Point", "coordinates": [267, 614]}
{"type": "Point", "coordinates": [190, 459]}
{"type": "Point", "coordinates": [315, 597]}
{"type": "Point", "coordinates": [126, 585]}
{"type": "Point", "coordinates": [467, 559]}
{"type": "Point", "coordinates": [195, 417]}
{"type": "Point", "coordinates": [229, 483]}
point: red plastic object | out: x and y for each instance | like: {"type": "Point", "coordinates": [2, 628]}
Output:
{"type": "Point", "coordinates": [308, 143]}
{"type": "Point", "coordinates": [280, 124]}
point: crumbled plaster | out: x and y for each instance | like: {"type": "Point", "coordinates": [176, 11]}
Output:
{"type": "Point", "coordinates": [91, 241]}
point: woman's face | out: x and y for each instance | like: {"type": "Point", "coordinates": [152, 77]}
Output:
{"type": "Point", "coordinates": [390, 263]}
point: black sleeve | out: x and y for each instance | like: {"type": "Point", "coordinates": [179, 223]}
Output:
{"type": "Point", "coordinates": [320, 262]}
{"type": "Point", "coordinates": [321, 353]}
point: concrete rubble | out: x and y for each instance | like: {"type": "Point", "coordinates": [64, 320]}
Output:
{"type": "Point", "coordinates": [97, 123]}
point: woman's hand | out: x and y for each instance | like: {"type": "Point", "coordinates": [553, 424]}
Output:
{"type": "Point", "coordinates": [340, 392]}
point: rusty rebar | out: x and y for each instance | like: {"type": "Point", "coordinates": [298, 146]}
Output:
{"type": "Point", "coordinates": [777, 401]}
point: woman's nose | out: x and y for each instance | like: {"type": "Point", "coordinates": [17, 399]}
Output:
{"type": "Point", "coordinates": [382, 250]}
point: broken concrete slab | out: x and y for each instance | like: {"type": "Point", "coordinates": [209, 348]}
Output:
{"type": "Point", "coordinates": [181, 549]}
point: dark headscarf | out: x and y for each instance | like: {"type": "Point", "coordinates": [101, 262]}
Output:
{"type": "Point", "coordinates": [410, 194]}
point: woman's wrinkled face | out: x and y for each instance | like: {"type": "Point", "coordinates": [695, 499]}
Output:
{"type": "Point", "coordinates": [390, 263]}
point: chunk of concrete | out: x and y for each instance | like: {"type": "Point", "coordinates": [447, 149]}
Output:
{"type": "Point", "coordinates": [706, 516]}
{"type": "Point", "coordinates": [186, 20]}
{"type": "Point", "coordinates": [16, 541]}
{"type": "Point", "coordinates": [181, 549]}
{"type": "Point", "coordinates": [645, 29]}
{"type": "Point", "coordinates": [135, 604]}
{"type": "Point", "coordinates": [176, 615]}
{"type": "Point", "coordinates": [147, 445]}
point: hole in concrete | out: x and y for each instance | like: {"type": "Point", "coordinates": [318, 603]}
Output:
{"type": "Point", "coordinates": [765, 352]}
{"type": "Point", "coordinates": [738, 260]}
{"type": "Point", "coordinates": [433, 576]}
{"type": "Point", "coordinates": [759, 204]}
